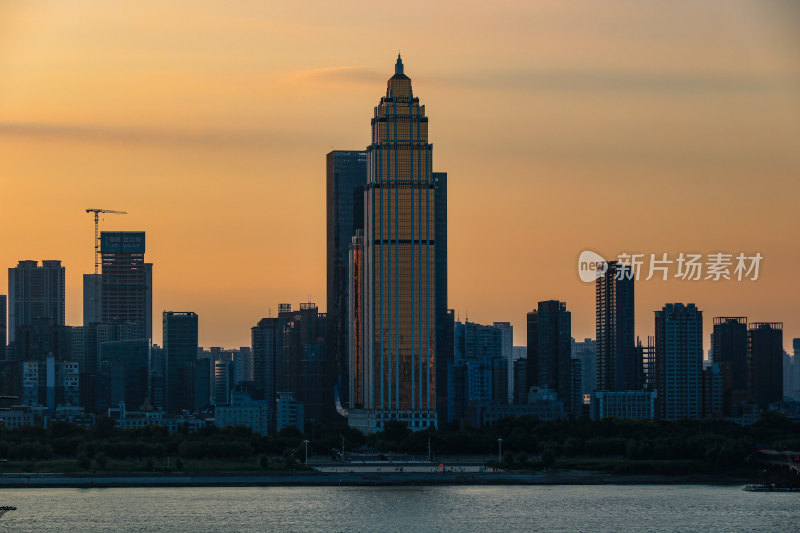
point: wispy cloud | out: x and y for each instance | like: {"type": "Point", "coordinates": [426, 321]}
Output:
{"type": "Point", "coordinates": [567, 80]}
{"type": "Point", "coordinates": [339, 75]}
{"type": "Point", "coordinates": [588, 80]}
{"type": "Point", "coordinates": [132, 135]}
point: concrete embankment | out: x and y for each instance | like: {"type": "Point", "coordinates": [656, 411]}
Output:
{"type": "Point", "coordinates": [348, 479]}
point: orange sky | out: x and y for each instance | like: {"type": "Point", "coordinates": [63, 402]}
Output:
{"type": "Point", "coordinates": [612, 126]}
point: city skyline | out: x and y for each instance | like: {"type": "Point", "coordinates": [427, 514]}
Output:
{"type": "Point", "coordinates": [556, 125]}
{"type": "Point", "coordinates": [486, 266]}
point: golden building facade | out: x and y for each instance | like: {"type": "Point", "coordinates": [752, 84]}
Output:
{"type": "Point", "coordinates": [399, 270]}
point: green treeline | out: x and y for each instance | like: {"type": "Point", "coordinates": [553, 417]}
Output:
{"type": "Point", "coordinates": [607, 444]}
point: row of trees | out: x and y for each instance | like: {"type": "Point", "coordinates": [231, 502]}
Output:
{"type": "Point", "coordinates": [714, 442]}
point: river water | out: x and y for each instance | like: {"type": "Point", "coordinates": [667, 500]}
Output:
{"type": "Point", "coordinates": [403, 509]}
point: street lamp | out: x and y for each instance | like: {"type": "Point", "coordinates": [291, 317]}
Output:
{"type": "Point", "coordinates": [306, 443]}
{"type": "Point", "coordinates": [499, 450]}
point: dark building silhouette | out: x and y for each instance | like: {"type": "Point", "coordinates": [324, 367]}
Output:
{"type": "Point", "coordinates": [180, 352]}
{"type": "Point", "coordinates": [729, 351]}
{"type": "Point", "coordinates": [346, 177]}
{"type": "Point", "coordinates": [646, 353]}
{"type": "Point", "coordinates": [679, 361]}
{"type": "Point", "coordinates": [550, 351]}
{"type": "Point", "coordinates": [618, 366]}
{"type": "Point", "coordinates": [457, 391]}
{"type": "Point", "coordinates": [126, 280]}
{"type": "Point", "coordinates": [445, 356]}
{"type": "Point", "coordinates": [41, 338]}
{"type": "Point", "coordinates": [445, 318]}
{"type": "Point", "coordinates": [3, 326]}
{"type": "Point", "coordinates": [765, 357]}
{"type": "Point", "coordinates": [521, 381]}
{"type": "Point", "coordinates": [575, 401]}
{"type": "Point", "coordinates": [125, 364]}
{"type": "Point", "coordinates": [267, 339]}
{"type": "Point", "coordinates": [500, 380]}
{"type": "Point", "coordinates": [157, 371]}
{"type": "Point", "coordinates": [92, 298]}
{"type": "Point", "coordinates": [198, 381]}
{"type": "Point", "coordinates": [355, 309]}
{"type": "Point", "coordinates": [35, 292]}
{"type": "Point", "coordinates": [711, 383]}
{"type": "Point", "coordinates": [11, 378]}
{"type": "Point", "coordinates": [304, 362]}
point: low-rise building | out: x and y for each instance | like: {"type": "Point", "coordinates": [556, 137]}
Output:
{"type": "Point", "coordinates": [623, 404]}
{"type": "Point", "coordinates": [245, 411]}
{"type": "Point", "coordinates": [289, 411]}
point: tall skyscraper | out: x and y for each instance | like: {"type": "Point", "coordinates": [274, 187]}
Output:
{"type": "Point", "coordinates": [355, 308]}
{"type": "Point", "coordinates": [127, 281]}
{"type": "Point", "coordinates": [402, 301]}
{"type": "Point", "coordinates": [346, 177]}
{"type": "Point", "coordinates": [521, 380]}
{"type": "Point", "coordinates": [618, 367]}
{"type": "Point", "coordinates": [445, 318]}
{"type": "Point", "coordinates": [35, 292]}
{"type": "Point", "coordinates": [180, 351]}
{"type": "Point", "coordinates": [586, 352]}
{"type": "Point", "coordinates": [550, 351]}
{"type": "Point", "coordinates": [765, 357]}
{"type": "Point", "coordinates": [729, 351]}
{"type": "Point", "coordinates": [679, 361]}
{"type": "Point", "coordinates": [267, 339]}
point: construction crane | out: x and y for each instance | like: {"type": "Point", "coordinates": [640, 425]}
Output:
{"type": "Point", "coordinates": [97, 232]}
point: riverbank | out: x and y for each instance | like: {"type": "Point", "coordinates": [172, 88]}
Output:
{"type": "Point", "coordinates": [568, 477]}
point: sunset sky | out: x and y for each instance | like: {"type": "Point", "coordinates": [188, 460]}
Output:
{"type": "Point", "coordinates": [615, 126]}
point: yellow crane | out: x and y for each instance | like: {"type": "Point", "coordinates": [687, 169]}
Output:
{"type": "Point", "coordinates": [97, 213]}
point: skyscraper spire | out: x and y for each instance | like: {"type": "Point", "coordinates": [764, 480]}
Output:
{"type": "Point", "coordinates": [398, 67]}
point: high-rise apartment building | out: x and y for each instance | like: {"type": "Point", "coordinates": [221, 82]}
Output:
{"type": "Point", "coordinates": [550, 351]}
{"type": "Point", "coordinates": [618, 367]}
{"type": "Point", "coordinates": [35, 292]}
{"type": "Point", "coordinates": [267, 339]}
{"type": "Point", "coordinates": [304, 368]}
{"type": "Point", "coordinates": [346, 177]}
{"type": "Point", "coordinates": [402, 302]}
{"type": "Point", "coordinates": [679, 361]}
{"type": "Point", "coordinates": [647, 355]}
{"type": "Point", "coordinates": [521, 380]}
{"type": "Point", "coordinates": [126, 280]}
{"type": "Point", "coordinates": [729, 351]}
{"type": "Point", "coordinates": [586, 352]}
{"type": "Point", "coordinates": [765, 356]}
